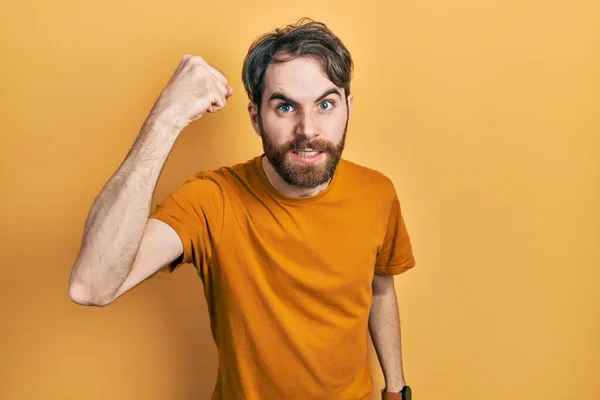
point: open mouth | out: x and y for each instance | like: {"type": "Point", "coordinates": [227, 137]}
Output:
{"type": "Point", "coordinates": [307, 155]}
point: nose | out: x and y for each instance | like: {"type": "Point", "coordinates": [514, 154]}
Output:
{"type": "Point", "coordinates": [307, 125]}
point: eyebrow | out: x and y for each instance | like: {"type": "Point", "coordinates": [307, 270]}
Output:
{"type": "Point", "coordinates": [281, 96]}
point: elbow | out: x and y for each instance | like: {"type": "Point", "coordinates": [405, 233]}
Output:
{"type": "Point", "coordinates": [79, 294]}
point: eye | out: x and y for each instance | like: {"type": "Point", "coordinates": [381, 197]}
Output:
{"type": "Point", "coordinates": [326, 105]}
{"type": "Point", "coordinates": [285, 108]}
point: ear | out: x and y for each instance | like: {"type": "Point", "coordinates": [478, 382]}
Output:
{"type": "Point", "coordinates": [350, 98]}
{"type": "Point", "coordinates": [253, 113]}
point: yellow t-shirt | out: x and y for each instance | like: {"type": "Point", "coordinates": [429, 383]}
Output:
{"type": "Point", "coordinates": [288, 280]}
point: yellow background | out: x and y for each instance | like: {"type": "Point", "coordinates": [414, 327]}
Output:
{"type": "Point", "coordinates": [483, 113]}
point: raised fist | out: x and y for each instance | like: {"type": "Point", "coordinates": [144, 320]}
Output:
{"type": "Point", "coordinates": [195, 88]}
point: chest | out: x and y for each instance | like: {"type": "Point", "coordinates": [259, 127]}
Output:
{"type": "Point", "coordinates": [321, 252]}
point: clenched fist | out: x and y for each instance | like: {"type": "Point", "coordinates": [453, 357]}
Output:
{"type": "Point", "coordinates": [194, 89]}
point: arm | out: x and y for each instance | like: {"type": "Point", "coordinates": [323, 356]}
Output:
{"type": "Point", "coordinates": [384, 326]}
{"type": "Point", "coordinates": [121, 247]}
{"type": "Point", "coordinates": [118, 220]}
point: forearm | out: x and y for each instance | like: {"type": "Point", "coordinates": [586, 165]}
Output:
{"type": "Point", "coordinates": [384, 326]}
{"type": "Point", "coordinates": [118, 217]}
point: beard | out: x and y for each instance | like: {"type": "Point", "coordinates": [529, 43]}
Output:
{"type": "Point", "coordinates": [304, 176]}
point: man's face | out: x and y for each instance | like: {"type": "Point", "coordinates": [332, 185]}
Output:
{"type": "Point", "coordinates": [302, 122]}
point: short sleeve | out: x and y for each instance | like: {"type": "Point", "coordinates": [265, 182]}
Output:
{"type": "Point", "coordinates": [395, 255]}
{"type": "Point", "coordinates": [195, 213]}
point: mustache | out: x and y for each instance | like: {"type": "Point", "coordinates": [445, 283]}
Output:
{"type": "Point", "coordinates": [315, 144]}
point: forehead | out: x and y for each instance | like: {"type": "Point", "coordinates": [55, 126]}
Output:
{"type": "Point", "coordinates": [300, 78]}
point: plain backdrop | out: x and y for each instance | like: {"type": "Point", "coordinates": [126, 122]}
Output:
{"type": "Point", "coordinates": [485, 114]}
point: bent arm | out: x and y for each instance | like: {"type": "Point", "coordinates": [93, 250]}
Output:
{"type": "Point", "coordinates": [384, 326]}
{"type": "Point", "coordinates": [119, 217]}
{"type": "Point", "coordinates": [120, 246]}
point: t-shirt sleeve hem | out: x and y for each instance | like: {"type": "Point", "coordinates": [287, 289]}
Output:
{"type": "Point", "coordinates": [395, 269]}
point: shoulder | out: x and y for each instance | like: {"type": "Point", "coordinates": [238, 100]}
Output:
{"type": "Point", "coordinates": [223, 177]}
{"type": "Point", "coordinates": [228, 174]}
{"type": "Point", "coordinates": [368, 179]}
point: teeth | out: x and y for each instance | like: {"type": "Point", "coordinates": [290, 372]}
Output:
{"type": "Point", "coordinates": [307, 153]}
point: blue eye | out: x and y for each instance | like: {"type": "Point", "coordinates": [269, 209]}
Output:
{"type": "Point", "coordinates": [286, 108]}
{"type": "Point", "coordinates": [326, 105]}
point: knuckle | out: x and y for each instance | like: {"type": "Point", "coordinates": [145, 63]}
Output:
{"type": "Point", "coordinates": [196, 60]}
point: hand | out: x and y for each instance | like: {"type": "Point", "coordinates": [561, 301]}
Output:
{"type": "Point", "coordinates": [194, 89]}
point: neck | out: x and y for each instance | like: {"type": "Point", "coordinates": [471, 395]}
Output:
{"type": "Point", "coordinates": [285, 188]}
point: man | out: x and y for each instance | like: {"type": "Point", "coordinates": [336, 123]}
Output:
{"type": "Point", "coordinates": [296, 248]}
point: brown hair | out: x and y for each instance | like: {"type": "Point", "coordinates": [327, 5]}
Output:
{"type": "Point", "coordinates": [306, 38]}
